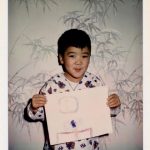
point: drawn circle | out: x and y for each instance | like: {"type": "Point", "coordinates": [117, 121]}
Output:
{"type": "Point", "coordinates": [68, 104]}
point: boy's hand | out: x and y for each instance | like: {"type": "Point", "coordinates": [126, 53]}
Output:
{"type": "Point", "coordinates": [38, 100]}
{"type": "Point", "coordinates": [113, 101]}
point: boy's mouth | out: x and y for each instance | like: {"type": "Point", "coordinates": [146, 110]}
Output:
{"type": "Point", "coordinates": [77, 69]}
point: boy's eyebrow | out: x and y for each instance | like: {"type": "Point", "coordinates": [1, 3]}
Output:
{"type": "Point", "coordinates": [71, 52]}
{"type": "Point", "coordinates": [85, 53]}
{"type": "Point", "coordinates": [75, 53]}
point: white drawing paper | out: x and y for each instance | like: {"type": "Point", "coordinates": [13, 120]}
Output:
{"type": "Point", "coordinates": [78, 115]}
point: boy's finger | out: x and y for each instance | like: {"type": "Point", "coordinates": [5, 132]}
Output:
{"type": "Point", "coordinates": [41, 102]}
{"type": "Point", "coordinates": [37, 105]}
{"type": "Point", "coordinates": [39, 96]}
{"type": "Point", "coordinates": [39, 99]}
{"type": "Point", "coordinates": [113, 102]}
{"type": "Point", "coordinates": [114, 96]}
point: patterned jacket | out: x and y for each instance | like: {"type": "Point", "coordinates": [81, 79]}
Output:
{"type": "Point", "coordinates": [58, 84]}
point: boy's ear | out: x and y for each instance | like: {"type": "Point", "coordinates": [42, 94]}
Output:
{"type": "Point", "coordinates": [60, 59]}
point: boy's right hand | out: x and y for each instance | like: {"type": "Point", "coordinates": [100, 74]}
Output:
{"type": "Point", "coordinates": [38, 100]}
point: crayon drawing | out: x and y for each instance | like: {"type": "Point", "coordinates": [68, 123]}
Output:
{"type": "Point", "coordinates": [69, 117]}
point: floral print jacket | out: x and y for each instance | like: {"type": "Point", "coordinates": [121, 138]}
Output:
{"type": "Point", "coordinates": [58, 84]}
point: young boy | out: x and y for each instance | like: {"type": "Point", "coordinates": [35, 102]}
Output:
{"type": "Point", "coordinates": [74, 50]}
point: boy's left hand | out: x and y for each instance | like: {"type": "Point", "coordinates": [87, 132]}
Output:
{"type": "Point", "coordinates": [113, 101]}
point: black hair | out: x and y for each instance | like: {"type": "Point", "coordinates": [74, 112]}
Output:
{"type": "Point", "coordinates": [73, 37]}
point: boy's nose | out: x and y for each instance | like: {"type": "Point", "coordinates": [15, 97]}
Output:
{"type": "Point", "coordinates": [78, 60]}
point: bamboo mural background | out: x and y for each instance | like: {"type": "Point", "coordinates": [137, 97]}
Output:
{"type": "Point", "coordinates": [115, 28]}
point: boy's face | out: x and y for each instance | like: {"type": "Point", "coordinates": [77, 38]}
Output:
{"type": "Point", "coordinates": [75, 62]}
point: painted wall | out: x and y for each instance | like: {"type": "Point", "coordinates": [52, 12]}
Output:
{"type": "Point", "coordinates": [115, 28]}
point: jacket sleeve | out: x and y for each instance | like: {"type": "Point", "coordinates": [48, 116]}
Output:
{"type": "Point", "coordinates": [39, 115]}
{"type": "Point", "coordinates": [115, 111]}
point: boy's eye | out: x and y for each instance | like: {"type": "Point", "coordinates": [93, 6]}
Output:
{"type": "Point", "coordinates": [72, 56]}
{"type": "Point", "coordinates": [85, 56]}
